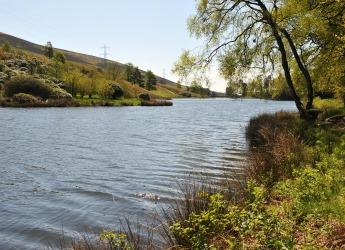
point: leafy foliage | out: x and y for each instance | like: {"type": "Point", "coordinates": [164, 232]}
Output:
{"type": "Point", "coordinates": [27, 85]}
{"type": "Point", "coordinates": [150, 80]}
{"type": "Point", "coordinates": [278, 49]}
{"type": "Point", "coordinates": [144, 96]}
{"type": "Point", "coordinates": [117, 91]}
{"type": "Point", "coordinates": [117, 241]}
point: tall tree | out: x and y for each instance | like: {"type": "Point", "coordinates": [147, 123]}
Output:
{"type": "Point", "coordinates": [129, 72]}
{"type": "Point", "coordinates": [151, 80]}
{"type": "Point", "coordinates": [327, 53]}
{"type": "Point", "coordinates": [48, 50]}
{"type": "Point", "coordinates": [137, 77]}
{"type": "Point", "coordinates": [245, 35]}
{"type": "Point", "coordinates": [115, 72]}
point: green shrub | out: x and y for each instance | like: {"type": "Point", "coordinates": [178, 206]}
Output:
{"type": "Point", "coordinates": [23, 98]}
{"type": "Point", "coordinates": [228, 226]}
{"type": "Point", "coordinates": [116, 240]}
{"type": "Point", "coordinates": [144, 96]}
{"type": "Point", "coordinates": [317, 188]}
{"type": "Point", "coordinates": [311, 184]}
{"type": "Point", "coordinates": [197, 230]}
{"type": "Point", "coordinates": [27, 85]}
{"type": "Point", "coordinates": [117, 91]}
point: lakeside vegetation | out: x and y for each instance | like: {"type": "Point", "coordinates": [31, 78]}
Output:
{"type": "Point", "coordinates": [50, 80]}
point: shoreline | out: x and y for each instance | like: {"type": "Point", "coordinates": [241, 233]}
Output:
{"type": "Point", "coordinates": [284, 193]}
{"type": "Point", "coordinates": [92, 103]}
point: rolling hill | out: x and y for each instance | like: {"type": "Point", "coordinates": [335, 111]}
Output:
{"type": "Point", "coordinates": [166, 88]}
{"type": "Point", "coordinates": [19, 43]}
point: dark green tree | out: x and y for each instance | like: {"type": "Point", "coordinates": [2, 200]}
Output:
{"type": "Point", "coordinates": [137, 77]}
{"type": "Point", "coordinates": [48, 50]}
{"type": "Point", "coordinates": [129, 72]}
{"type": "Point", "coordinates": [151, 80]}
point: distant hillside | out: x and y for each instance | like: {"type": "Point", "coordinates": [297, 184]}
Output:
{"type": "Point", "coordinates": [70, 55]}
{"type": "Point", "coordinates": [88, 60]}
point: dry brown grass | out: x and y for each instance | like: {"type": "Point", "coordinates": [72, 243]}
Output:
{"type": "Point", "coordinates": [275, 148]}
{"type": "Point", "coordinates": [336, 239]}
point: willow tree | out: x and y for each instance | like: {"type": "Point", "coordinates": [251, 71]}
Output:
{"type": "Point", "coordinates": [327, 41]}
{"type": "Point", "coordinates": [244, 35]}
{"type": "Point", "coordinates": [316, 28]}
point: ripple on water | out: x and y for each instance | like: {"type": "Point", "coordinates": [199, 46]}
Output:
{"type": "Point", "coordinates": [83, 169]}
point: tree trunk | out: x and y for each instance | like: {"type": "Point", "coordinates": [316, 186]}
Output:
{"type": "Point", "coordinates": [303, 69]}
{"type": "Point", "coordinates": [268, 17]}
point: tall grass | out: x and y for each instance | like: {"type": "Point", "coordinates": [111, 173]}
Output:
{"type": "Point", "coordinates": [275, 148]}
{"type": "Point", "coordinates": [130, 236]}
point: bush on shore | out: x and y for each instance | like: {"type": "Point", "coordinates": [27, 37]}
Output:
{"type": "Point", "coordinates": [117, 91]}
{"type": "Point", "coordinates": [27, 85]}
{"type": "Point", "coordinates": [144, 96]}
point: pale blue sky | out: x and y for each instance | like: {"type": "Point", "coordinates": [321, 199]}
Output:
{"type": "Point", "coordinates": [148, 33]}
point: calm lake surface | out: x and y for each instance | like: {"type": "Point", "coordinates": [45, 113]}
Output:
{"type": "Point", "coordinates": [83, 169]}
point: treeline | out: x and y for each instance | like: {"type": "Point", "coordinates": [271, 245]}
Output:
{"type": "Point", "coordinates": [134, 75]}
{"type": "Point", "coordinates": [262, 87]}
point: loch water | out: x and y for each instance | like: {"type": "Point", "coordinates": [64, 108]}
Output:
{"type": "Point", "coordinates": [76, 170]}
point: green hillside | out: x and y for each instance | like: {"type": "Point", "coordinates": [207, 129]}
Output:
{"type": "Point", "coordinates": [70, 55]}
{"type": "Point", "coordinates": [166, 89]}
{"type": "Point", "coordinates": [75, 79]}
